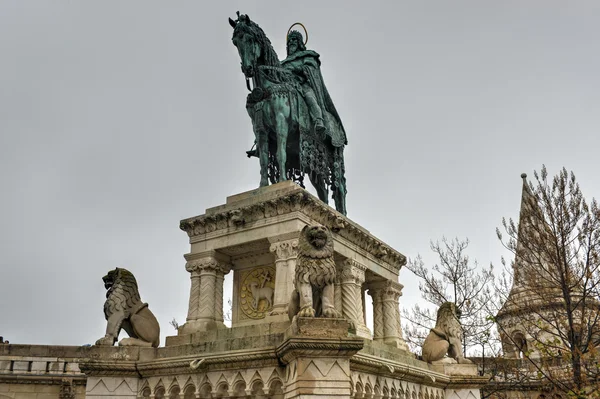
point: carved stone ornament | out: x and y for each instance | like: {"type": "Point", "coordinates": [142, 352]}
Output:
{"type": "Point", "coordinates": [256, 292]}
{"type": "Point", "coordinates": [445, 338]}
{"type": "Point", "coordinates": [285, 249]}
{"type": "Point", "coordinates": [124, 309]}
{"type": "Point", "coordinates": [310, 206]}
{"type": "Point", "coordinates": [313, 294]}
{"type": "Point", "coordinates": [206, 264]}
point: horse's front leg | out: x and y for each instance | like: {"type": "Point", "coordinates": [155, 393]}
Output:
{"type": "Point", "coordinates": [262, 142]}
{"type": "Point", "coordinates": [282, 126]}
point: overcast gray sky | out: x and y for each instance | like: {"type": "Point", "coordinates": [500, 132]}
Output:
{"type": "Point", "coordinates": [118, 119]}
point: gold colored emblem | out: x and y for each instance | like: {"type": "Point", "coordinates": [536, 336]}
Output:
{"type": "Point", "coordinates": [257, 292]}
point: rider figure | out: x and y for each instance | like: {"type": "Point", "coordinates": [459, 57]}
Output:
{"type": "Point", "coordinates": [304, 64]}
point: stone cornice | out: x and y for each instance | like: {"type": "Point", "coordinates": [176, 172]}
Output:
{"type": "Point", "coordinates": [296, 201]}
{"type": "Point", "coordinates": [294, 347]}
{"type": "Point", "coordinates": [32, 378]}
{"type": "Point", "coordinates": [405, 371]}
{"type": "Point", "coordinates": [181, 364]}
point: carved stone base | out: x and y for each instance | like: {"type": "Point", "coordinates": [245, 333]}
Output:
{"type": "Point", "coordinates": [317, 355]}
{"type": "Point", "coordinates": [455, 368]}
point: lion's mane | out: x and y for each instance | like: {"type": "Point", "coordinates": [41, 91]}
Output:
{"type": "Point", "coordinates": [447, 321]}
{"type": "Point", "coordinates": [123, 296]}
{"type": "Point", "coordinates": [315, 264]}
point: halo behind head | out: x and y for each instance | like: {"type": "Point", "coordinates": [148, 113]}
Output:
{"type": "Point", "coordinates": [303, 27]}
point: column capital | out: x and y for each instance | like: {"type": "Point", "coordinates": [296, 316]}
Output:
{"type": "Point", "coordinates": [351, 271]}
{"type": "Point", "coordinates": [208, 264]}
{"type": "Point", "coordinates": [385, 289]}
{"type": "Point", "coordinates": [285, 249]}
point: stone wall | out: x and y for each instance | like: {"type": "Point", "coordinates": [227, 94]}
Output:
{"type": "Point", "coordinates": [41, 372]}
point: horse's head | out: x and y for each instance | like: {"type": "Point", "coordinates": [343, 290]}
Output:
{"type": "Point", "coordinates": [246, 38]}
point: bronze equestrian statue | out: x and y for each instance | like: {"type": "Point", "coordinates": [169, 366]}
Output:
{"type": "Point", "coordinates": [296, 126]}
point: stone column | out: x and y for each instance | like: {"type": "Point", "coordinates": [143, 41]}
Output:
{"type": "Point", "coordinates": [351, 279]}
{"type": "Point", "coordinates": [219, 279]}
{"type": "Point", "coordinates": [390, 295]}
{"type": "Point", "coordinates": [377, 314]}
{"type": "Point", "coordinates": [206, 293]}
{"type": "Point", "coordinates": [386, 313]}
{"type": "Point", "coordinates": [286, 253]}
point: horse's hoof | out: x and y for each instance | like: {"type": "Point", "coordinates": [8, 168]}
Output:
{"type": "Point", "coordinates": [264, 183]}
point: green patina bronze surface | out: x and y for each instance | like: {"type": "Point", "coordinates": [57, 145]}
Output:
{"type": "Point", "coordinates": [296, 126]}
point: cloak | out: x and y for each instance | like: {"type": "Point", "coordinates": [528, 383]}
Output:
{"type": "Point", "coordinates": [311, 68]}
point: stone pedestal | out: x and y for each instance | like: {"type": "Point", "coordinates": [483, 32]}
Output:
{"type": "Point", "coordinates": [317, 355]}
{"type": "Point", "coordinates": [255, 235]}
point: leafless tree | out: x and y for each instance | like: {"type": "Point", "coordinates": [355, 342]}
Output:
{"type": "Point", "coordinates": [554, 295]}
{"type": "Point", "coordinates": [454, 279]}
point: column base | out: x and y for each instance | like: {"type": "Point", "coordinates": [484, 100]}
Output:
{"type": "Point", "coordinates": [199, 325]}
{"type": "Point", "coordinates": [364, 332]}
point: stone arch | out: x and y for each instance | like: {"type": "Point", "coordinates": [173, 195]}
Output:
{"type": "Point", "coordinates": [221, 390]}
{"type": "Point", "coordinates": [189, 391]}
{"type": "Point", "coordinates": [358, 390]}
{"type": "Point", "coordinates": [520, 342]}
{"type": "Point", "coordinates": [205, 390]}
{"type": "Point", "coordinates": [385, 393]}
{"type": "Point", "coordinates": [368, 390]}
{"type": "Point", "coordinates": [174, 391]}
{"type": "Point", "coordinates": [159, 392]}
{"type": "Point", "coordinates": [276, 389]}
{"type": "Point", "coordinates": [377, 391]}
{"type": "Point", "coordinates": [239, 388]}
{"type": "Point", "coordinates": [145, 390]}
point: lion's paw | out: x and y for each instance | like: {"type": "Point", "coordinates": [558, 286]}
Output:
{"type": "Point", "coordinates": [105, 341]}
{"type": "Point", "coordinates": [331, 313]}
{"type": "Point", "coordinates": [306, 312]}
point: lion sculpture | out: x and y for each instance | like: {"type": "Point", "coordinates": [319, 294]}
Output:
{"type": "Point", "coordinates": [124, 309]}
{"type": "Point", "coordinates": [445, 337]}
{"type": "Point", "coordinates": [315, 274]}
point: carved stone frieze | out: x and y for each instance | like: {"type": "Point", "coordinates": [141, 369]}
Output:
{"type": "Point", "coordinates": [296, 201]}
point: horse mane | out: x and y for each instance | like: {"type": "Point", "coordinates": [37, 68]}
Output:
{"type": "Point", "coordinates": [277, 74]}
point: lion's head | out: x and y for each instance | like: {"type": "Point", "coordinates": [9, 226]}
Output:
{"type": "Point", "coordinates": [122, 293]}
{"type": "Point", "coordinates": [316, 241]}
{"type": "Point", "coordinates": [448, 316]}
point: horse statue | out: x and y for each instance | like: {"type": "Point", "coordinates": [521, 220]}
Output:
{"type": "Point", "coordinates": [290, 140]}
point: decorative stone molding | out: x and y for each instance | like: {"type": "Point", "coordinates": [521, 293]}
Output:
{"type": "Point", "coordinates": [286, 253]}
{"type": "Point", "coordinates": [302, 201]}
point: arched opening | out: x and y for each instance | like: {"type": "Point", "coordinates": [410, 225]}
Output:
{"type": "Point", "coordinates": [159, 393]}
{"type": "Point", "coordinates": [276, 390]}
{"type": "Point", "coordinates": [189, 392]}
{"type": "Point", "coordinates": [520, 343]}
{"type": "Point", "coordinates": [174, 393]}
